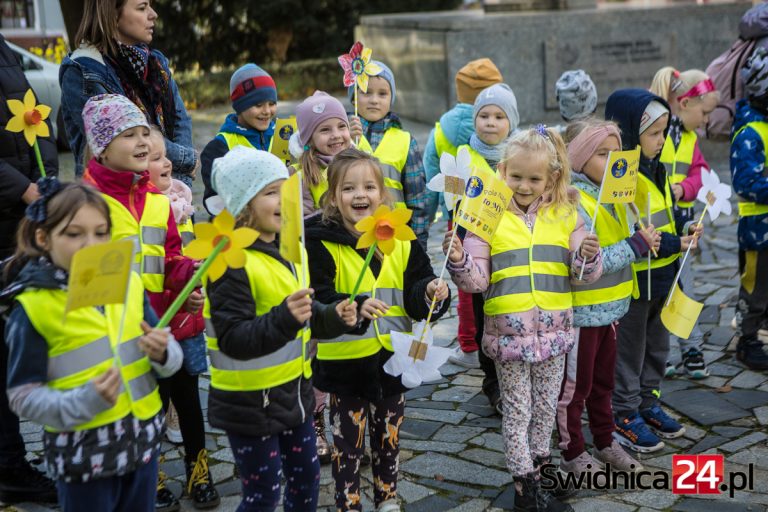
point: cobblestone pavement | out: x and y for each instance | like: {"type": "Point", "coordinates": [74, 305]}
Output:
{"type": "Point", "coordinates": [452, 453]}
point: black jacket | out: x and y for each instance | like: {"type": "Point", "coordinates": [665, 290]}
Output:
{"type": "Point", "coordinates": [364, 377]}
{"type": "Point", "coordinates": [18, 166]}
{"type": "Point", "coordinates": [243, 335]}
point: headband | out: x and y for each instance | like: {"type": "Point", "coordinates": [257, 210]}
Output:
{"type": "Point", "coordinates": [584, 145]}
{"type": "Point", "coordinates": [700, 89]}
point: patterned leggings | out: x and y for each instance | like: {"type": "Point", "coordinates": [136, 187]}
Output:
{"type": "Point", "coordinates": [348, 418]}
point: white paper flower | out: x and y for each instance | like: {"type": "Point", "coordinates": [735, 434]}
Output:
{"type": "Point", "coordinates": [715, 194]}
{"type": "Point", "coordinates": [416, 362]}
{"type": "Point", "coordinates": [452, 180]}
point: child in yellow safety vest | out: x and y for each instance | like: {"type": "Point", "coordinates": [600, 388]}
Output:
{"type": "Point", "coordinates": [259, 319]}
{"type": "Point", "coordinates": [96, 395]}
{"type": "Point", "coordinates": [526, 274]}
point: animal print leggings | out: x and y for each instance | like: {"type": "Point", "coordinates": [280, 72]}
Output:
{"type": "Point", "coordinates": [349, 416]}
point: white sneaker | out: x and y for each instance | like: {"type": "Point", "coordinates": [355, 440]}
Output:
{"type": "Point", "coordinates": [465, 359]}
{"type": "Point", "coordinates": [172, 431]}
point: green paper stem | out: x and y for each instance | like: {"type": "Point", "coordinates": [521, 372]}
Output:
{"type": "Point", "coordinates": [190, 286]}
{"type": "Point", "coordinates": [368, 259]}
{"type": "Point", "coordinates": [39, 158]}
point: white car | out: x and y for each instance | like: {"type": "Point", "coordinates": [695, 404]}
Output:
{"type": "Point", "coordinates": [43, 76]}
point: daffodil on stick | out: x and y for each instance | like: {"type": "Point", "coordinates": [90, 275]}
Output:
{"type": "Point", "coordinates": [221, 246]}
{"type": "Point", "coordinates": [29, 117]}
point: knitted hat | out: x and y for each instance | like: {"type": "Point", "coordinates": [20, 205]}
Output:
{"type": "Point", "coordinates": [242, 173]}
{"type": "Point", "coordinates": [501, 96]}
{"type": "Point", "coordinates": [652, 112]}
{"type": "Point", "coordinates": [314, 110]}
{"type": "Point", "coordinates": [755, 77]}
{"type": "Point", "coordinates": [474, 77]}
{"type": "Point", "coordinates": [249, 86]}
{"type": "Point", "coordinates": [576, 95]}
{"type": "Point", "coordinates": [106, 116]}
{"type": "Point", "coordinates": [387, 75]}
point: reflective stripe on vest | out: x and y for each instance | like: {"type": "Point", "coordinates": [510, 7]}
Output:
{"type": "Point", "coordinates": [81, 347]}
{"type": "Point", "coordinates": [319, 190]}
{"type": "Point", "coordinates": [678, 161]}
{"type": "Point", "coordinates": [477, 160]}
{"type": "Point", "coordinates": [392, 153]}
{"type": "Point", "coordinates": [661, 217]}
{"type": "Point", "coordinates": [442, 144]}
{"type": "Point", "coordinates": [388, 287]}
{"type": "Point", "coordinates": [270, 283]}
{"type": "Point", "coordinates": [750, 208]}
{"type": "Point", "coordinates": [234, 139]}
{"type": "Point", "coordinates": [531, 269]}
{"type": "Point", "coordinates": [187, 233]}
{"type": "Point", "coordinates": [150, 234]}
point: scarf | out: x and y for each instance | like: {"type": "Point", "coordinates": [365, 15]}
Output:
{"type": "Point", "coordinates": [491, 153]}
{"type": "Point", "coordinates": [676, 130]}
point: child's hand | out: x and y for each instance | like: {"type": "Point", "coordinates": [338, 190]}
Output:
{"type": "Point", "coordinates": [590, 246]}
{"type": "Point", "coordinates": [374, 308]}
{"type": "Point", "coordinates": [355, 128]}
{"type": "Point", "coordinates": [687, 241]}
{"type": "Point", "coordinates": [194, 302]}
{"type": "Point", "coordinates": [457, 248]}
{"type": "Point", "coordinates": [347, 311]}
{"type": "Point", "coordinates": [108, 385]}
{"type": "Point", "coordinates": [677, 191]}
{"type": "Point", "coordinates": [696, 230]}
{"type": "Point", "coordinates": [437, 290]}
{"type": "Point", "coordinates": [154, 343]}
{"type": "Point", "coordinates": [651, 237]}
{"type": "Point", "coordinates": [300, 304]}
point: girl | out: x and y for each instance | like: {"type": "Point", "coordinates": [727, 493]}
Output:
{"type": "Point", "coordinates": [182, 387]}
{"type": "Point", "coordinates": [691, 96]}
{"type": "Point", "coordinates": [396, 288]}
{"type": "Point", "coordinates": [523, 274]}
{"type": "Point", "coordinates": [261, 392]}
{"type": "Point", "coordinates": [101, 410]}
{"type": "Point", "coordinates": [597, 307]}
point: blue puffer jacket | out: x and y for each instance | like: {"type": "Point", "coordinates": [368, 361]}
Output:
{"type": "Point", "coordinates": [749, 175]}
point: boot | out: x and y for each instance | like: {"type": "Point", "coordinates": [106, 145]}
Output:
{"type": "Point", "coordinates": [323, 450]}
{"type": "Point", "coordinates": [165, 501]}
{"type": "Point", "coordinates": [559, 491]}
{"type": "Point", "coordinates": [25, 483]}
{"type": "Point", "coordinates": [529, 497]}
{"type": "Point", "coordinates": [752, 353]}
{"type": "Point", "coordinates": [200, 483]}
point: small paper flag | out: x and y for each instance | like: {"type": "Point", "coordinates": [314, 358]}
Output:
{"type": "Point", "coordinates": [99, 275]}
{"type": "Point", "coordinates": [620, 178]}
{"type": "Point", "coordinates": [284, 128]}
{"type": "Point", "coordinates": [681, 314]}
{"type": "Point", "coordinates": [487, 198]}
{"type": "Point", "coordinates": [291, 219]}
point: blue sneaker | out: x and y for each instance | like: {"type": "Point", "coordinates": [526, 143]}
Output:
{"type": "Point", "coordinates": [661, 424]}
{"type": "Point", "coordinates": [633, 433]}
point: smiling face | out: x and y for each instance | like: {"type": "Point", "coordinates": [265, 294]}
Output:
{"type": "Point", "coordinates": [491, 125]}
{"type": "Point", "coordinates": [527, 176]}
{"type": "Point", "coordinates": [129, 151]}
{"type": "Point", "coordinates": [331, 137]}
{"type": "Point", "coordinates": [694, 112]}
{"type": "Point", "coordinates": [87, 227]}
{"type": "Point", "coordinates": [594, 168]}
{"type": "Point", "coordinates": [265, 211]}
{"type": "Point", "coordinates": [136, 22]}
{"type": "Point", "coordinates": [258, 116]}
{"type": "Point", "coordinates": [374, 104]}
{"type": "Point", "coordinates": [652, 139]}
{"type": "Point", "coordinates": [358, 194]}
{"type": "Point", "coordinates": [159, 166]}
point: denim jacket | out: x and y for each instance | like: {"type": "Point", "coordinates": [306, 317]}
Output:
{"type": "Point", "coordinates": [84, 74]}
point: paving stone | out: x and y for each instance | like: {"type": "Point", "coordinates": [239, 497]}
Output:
{"type": "Point", "coordinates": [713, 382]}
{"type": "Point", "coordinates": [419, 445]}
{"type": "Point", "coordinates": [173, 468]}
{"type": "Point", "coordinates": [650, 498]}
{"type": "Point", "coordinates": [451, 488]}
{"type": "Point", "coordinates": [484, 457]}
{"type": "Point", "coordinates": [748, 379]}
{"type": "Point", "coordinates": [455, 394]}
{"type": "Point", "coordinates": [431, 504]}
{"type": "Point", "coordinates": [757, 455]}
{"type": "Point", "coordinates": [695, 433]}
{"type": "Point", "coordinates": [429, 404]}
{"type": "Point", "coordinates": [697, 505]}
{"type": "Point", "coordinates": [708, 442]}
{"type": "Point", "coordinates": [727, 431]}
{"type": "Point", "coordinates": [457, 434]}
{"type": "Point", "coordinates": [747, 398]}
{"type": "Point", "coordinates": [678, 384]}
{"type": "Point", "coordinates": [479, 410]}
{"type": "Point", "coordinates": [743, 442]}
{"type": "Point", "coordinates": [492, 422]}
{"type": "Point", "coordinates": [420, 392]}
{"type": "Point", "coordinates": [744, 422]}
{"type": "Point", "coordinates": [475, 505]}
{"type": "Point", "coordinates": [709, 315]}
{"type": "Point", "coordinates": [704, 407]}
{"type": "Point", "coordinates": [411, 492]}
{"type": "Point", "coordinates": [456, 470]}
{"type": "Point", "coordinates": [222, 472]}
{"type": "Point", "coordinates": [452, 417]}
{"type": "Point", "coordinates": [761, 413]}
{"type": "Point", "coordinates": [418, 429]}
{"type": "Point", "coordinates": [723, 370]}
{"type": "Point", "coordinates": [489, 440]}
{"type": "Point", "coordinates": [224, 455]}
{"type": "Point", "coordinates": [449, 369]}
{"type": "Point", "coordinates": [468, 380]}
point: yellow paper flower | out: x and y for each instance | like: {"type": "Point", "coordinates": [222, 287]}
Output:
{"type": "Point", "coordinates": [209, 234]}
{"type": "Point", "coordinates": [29, 118]}
{"type": "Point", "coordinates": [383, 227]}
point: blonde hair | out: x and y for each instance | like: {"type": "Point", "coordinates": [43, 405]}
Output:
{"type": "Point", "coordinates": [547, 142]}
{"type": "Point", "coordinates": [342, 163]}
{"type": "Point", "coordinates": [311, 166]}
{"type": "Point", "coordinates": [669, 83]}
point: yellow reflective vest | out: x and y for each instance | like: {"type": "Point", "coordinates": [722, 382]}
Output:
{"type": "Point", "coordinates": [531, 268]}
{"type": "Point", "coordinates": [392, 153]}
{"type": "Point", "coordinates": [186, 232]}
{"type": "Point", "coordinates": [749, 208]}
{"type": "Point", "coordinates": [319, 190]}
{"type": "Point", "coordinates": [477, 160]}
{"type": "Point", "coordinates": [678, 162]}
{"type": "Point", "coordinates": [661, 216]}
{"type": "Point", "coordinates": [271, 282]}
{"type": "Point", "coordinates": [82, 346]}
{"type": "Point", "coordinates": [442, 144]}
{"type": "Point", "coordinates": [235, 139]}
{"type": "Point", "coordinates": [387, 287]}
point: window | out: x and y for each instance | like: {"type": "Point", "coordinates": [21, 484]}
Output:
{"type": "Point", "coordinates": [17, 13]}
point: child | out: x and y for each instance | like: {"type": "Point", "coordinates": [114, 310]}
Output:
{"type": "Point", "coordinates": [597, 307]}
{"type": "Point", "coordinates": [528, 316]}
{"type": "Point", "coordinates": [396, 288]}
{"type": "Point", "coordinates": [261, 392]}
{"type": "Point", "coordinates": [182, 387]}
{"type": "Point", "coordinates": [692, 97]}
{"type": "Point", "coordinates": [101, 410]}
{"type": "Point", "coordinates": [382, 134]}
{"type": "Point", "coordinates": [642, 341]}
{"type": "Point", "coordinates": [254, 98]}
{"type": "Point", "coordinates": [749, 157]}
{"type": "Point", "coordinates": [576, 96]}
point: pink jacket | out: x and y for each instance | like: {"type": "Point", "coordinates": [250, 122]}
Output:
{"type": "Point", "coordinates": [692, 183]}
{"type": "Point", "coordinates": [535, 335]}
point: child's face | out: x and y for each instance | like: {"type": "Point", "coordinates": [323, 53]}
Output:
{"type": "Point", "coordinates": [358, 195]}
{"type": "Point", "coordinates": [129, 151]}
{"type": "Point", "coordinates": [694, 112]}
{"type": "Point", "coordinates": [265, 210]}
{"type": "Point", "coordinates": [331, 137]}
{"type": "Point", "coordinates": [652, 139]}
{"type": "Point", "coordinates": [87, 227]}
{"type": "Point", "coordinates": [159, 166]}
{"type": "Point", "coordinates": [491, 125]}
{"type": "Point", "coordinates": [595, 166]}
{"type": "Point", "coordinates": [527, 176]}
{"type": "Point", "coordinates": [258, 116]}
{"type": "Point", "coordinates": [374, 104]}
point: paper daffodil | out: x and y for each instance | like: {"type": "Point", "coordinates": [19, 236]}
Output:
{"type": "Point", "coordinates": [210, 234]}
{"type": "Point", "coordinates": [358, 67]}
{"type": "Point", "coordinates": [453, 177]}
{"type": "Point", "coordinates": [714, 194]}
{"type": "Point", "coordinates": [383, 227]}
{"type": "Point", "coordinates": [416, 361]}
{"type": "Point", "coordinates": [28, 117]}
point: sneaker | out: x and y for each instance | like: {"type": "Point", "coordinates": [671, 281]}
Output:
{"type": "Point", "coordinates": [465, 359]}
{"type": "Point", "coordinates": [200, 484]}
{"type": "Point", "coordinates": [172, 430]}
{"type": "Point", "coordinates": [670, 370]}
{"type": "Point", "coordinates": [752, 354]}
{"type": "Point", "coordinates": [661, 423]}
{"type": "Point", "coordinates": [617, 457]}
{"type": "Point", "coordinates": [530, 496]}
{"type": "Point", "coordinates": [582, 463]}
{"type": "Point", "coordinates": [694, 365]}
{"type": "Point", "coordinates": [633, 433]}
{"type": "Point", "coordinates": [25, 483]}
{"type": "Point", "coordinates": [323, 450]}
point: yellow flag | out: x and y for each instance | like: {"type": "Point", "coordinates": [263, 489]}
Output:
{"type": "Point", "coordinates": [284, 128]}
{"type": "Point", "coordinates": [681, 314]}
{"type": "Point", "coordinates": [291, 219]}
{"type": "Point", "coordinates": [99, 275]}
{"type": "Point", "coordinates": [485, 201]}
{"type": "Point", "coordinates": [620, 177]}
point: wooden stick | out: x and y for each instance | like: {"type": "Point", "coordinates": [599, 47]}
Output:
{"type": "Point", "coordinates": [685, 257]}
